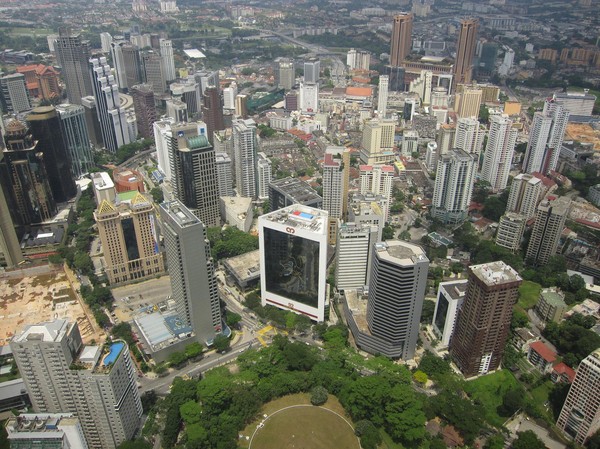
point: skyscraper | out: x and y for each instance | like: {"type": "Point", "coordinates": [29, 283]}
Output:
{"type": "Point", "coordinates": [193, 280]}
{"type": "Point", "coordinates": [153, 70]}
{"type": "Point", "coordinates": [10, 250]}
{"type": "Point", "coordinates": [483, 322]}
{"type": "Point", "coordinates": [336, 175]}
{"type": "Point", "coordinates": [118, 61]}
{"type": "Point", "coordinates": [129, 239]}
{"type": "Point", "coordinates": [546, 137]}
{"type": "Point", "coordinates": [75, 133]}
{"type": "Point", "coordinates": [309, 97]}
{"type": "Point", "coordinates": [549, 224]}
{"type": "Point", "coordinates": [133, 64]}
{"type": "Point", "coordinates": [378, 141]}
{"type": "Point", "coordinates": [382, 95]}
{"type": "Point", "coordinates": [14, 96]}
{"type": "Point", "coordinates": [293, 260]}
{"type": "Point", "coordinates": [465, 51]}
{"type": "Point", "coordinates": [524, 196]}
{"type": "Point", "coordinates": [91, 120]}
{"type": "Point", "coordinates": [450, 297]}
{"type": "Point", "coordinates": [72, 55]}
{"type": "Point", "coordinates": [468, 102]}
{"type": "Point", "coordinates": [111, 116]}
{"type": "Point", "coordinates": [162, 138]}
{"type": "Point", "coordinates": [401, 38]}
{"type": "Point", "coordinates": [224, 174]}
{"type": "Point", "coordinates": [453, 186]}
{"type": "Point", "coordinates": [377, 180]}
{"type": "Point", "coordinates": [580, 414]}
{"type": "Point", "coordinates": [468, 135]}
{"type": "Point", "coordinates": [354, 242]}
{"type": "Point", "coordinates": [499, 152]}
{"type": "Point", "coordinates": [166, 54]}
{"type": "Point", "coordinates": [245, 147]}
{"type": "Point", "coordinates": [97, 383]}
{"type": "Point", "coordinates": [396, 292]}
{"type": "Point", "coordinates": [287, 75]}
{"type": "Point", "coordinates": [193, 171]}
{"type": "Point", "coordinates": [45, 126]}
{"type": "Point", "coordinates": [212, 112]}
{"type": "Point", "coordinates": [312, 71]}
{"type": "Point", "coordinates": [263, 176]}
{"type": "Point", "coordinates": [145, 110]}
{"type": "Point", "coordinates": [510, 231]}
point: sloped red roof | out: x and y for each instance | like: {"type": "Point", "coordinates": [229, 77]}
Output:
{"type": "Point", "coordinates": [561, 368]}
{"type": "Point", "coordinates": [544, 351]}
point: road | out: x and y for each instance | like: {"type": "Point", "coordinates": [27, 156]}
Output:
{"type": "Point", "coordinates": [521, 423]}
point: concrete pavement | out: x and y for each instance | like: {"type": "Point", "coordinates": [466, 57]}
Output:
{"type": "Point", "coordinates": [521, 423]}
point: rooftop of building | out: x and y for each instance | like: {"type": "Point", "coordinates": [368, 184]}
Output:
{"type": "Point", "coordinates": [102, 180]}
{"type": "Point", "coordinates": [562, 368]}
{"type": "Point", "coordinates": [560, 204]}
{"type": "Point", "coordinates": [400, 252]}
{"type": "Point", "coordinates": [245, 266]}
{"type": "Point", "coordinates": [300, 217]}
{"type": "Point", "coordinates": [494, 273]}
{"type": "Point", "coordinates": [42, 425]}
{"type": "Point", "coordinates": [180, 214]}
{"type": "Point", "coordinates": [297, 189]}
{"type": "Point", "coordinates": [544, 351]}
{"type": "Point", "coordinates": [51, 331]}
{"type": "Point", "coordinates": [160, 330]}
{"type": "Point", "coordinates": [455, 289]}
{"type": "Point", "coordinates": [383, 168]}
{"type": "Point", "coordinates": [553, 297]}
{"type": "Point", "coordinates": [237, 204]}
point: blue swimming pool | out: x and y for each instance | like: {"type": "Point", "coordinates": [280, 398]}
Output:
{"type": "Point", "coordinates": [115, 350]}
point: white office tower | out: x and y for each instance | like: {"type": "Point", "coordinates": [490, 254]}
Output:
{"type": "Point", "coordinates": [377, 180]}
{"type": "Point", "coordinates": [96, 383]}
{"type": "Point", "coordinates": [468, 135]}
{"type": "Point", "coordinates": [116, 52]}
{"type": "Point", "coordinates": [422, 86]}
{"type": "Point", "coordinates": [312, 70]}
{"type": "Point", "coordinates": [162, 135]}
{"type": "Point", "coordinates": [545, 138]}
{"type": "Point", "coordinates": [431, 156]}
{"type": "Point", "coordinates": [168, 6]}
{"type": "Point", "coordinates": [168, 61]}
{"type": "Point", "coordinates": [454, 180]}
{"type": "Point", "coordinates": [177, 110]}
{"type": "Point", "coordinates": [336, 178]}
{"type": "Point", "coordinates": [510, 231]}
{"type": "Point", "coordinates": [507, 62]}
{"type": "Point", "coordinates": [354, 242]}
{"type": "Point", "coordinates": [410, 143]}
{"type": "Point", "coordinates": [105, 41]}
{"type": "Point", "coordinates": [229, 94]}
{"type": "Point", "coordinates": [224, 174]}
{"type": "Point", "coordinates": [245, 148]}
{"type": "Point", "coordinates": [378, 141]}
{"type": "Point", "coordinates": [580, 414]}
{"type": "Point", "coordinates": [309, 97]}
{"type": "Point", "coordinates": [396, 291]}
{"type": "Point", "coordinates": [499, 152]}
{"type": "Point", "coordinates": [189, 93]}
{"type": "Point", "coordinates": [525, 194]}
{"type": "Point", "coordinates": [192, 272]}
{"type": "Point", "coordinates": [293, 260]}
{"type": "Point", "coordinates": [14, 96]}
{"type": "Point", "coordinates": [449, 301]}
{"type": "Point", "coordinates": [113, 123]}
{"type": "Point", "coordinates": [287, 75]}
{"type": "Point", "coordinates": [263, 173]}
{"type": "Point", "coordinates": [382, 95]}
{"type": "Point", "coordinates": [52, 430]}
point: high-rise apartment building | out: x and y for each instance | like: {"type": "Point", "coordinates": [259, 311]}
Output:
{"type": "Point", "coordinates": [397, 285]}
{"type": "Point", "coordinates": [580, 414]}
{"type": "Point", "coordinates": [336, 178]}
{"type": "Point", "coordinates": [358, 60]}
{"type": "Point", "coordinates": [212, 112]}
{"type": "Point", "coordinates": [293, 260]}
{"type": "Point", "coordinates": [382, 95]}
{"type": "Point", "coordinates": [113, 123]}
{"type": "Point", "coordinates": [510, 231]}
{"type": "Point", "coordinates": [468, 135]}
{"type": "Point", "coordinates": [145, 110]}
{"type": "Point", "coordinates": [354, 242]}
{"type": "Point", "coordinates": [549, 224]}
{"type": "Point", "coordinates": [229, 94]}
{"type": "Point", "coordinates": [193, 172]}
{"type": "Point", "coordinates": [72, 55]}
{"type": "Point", "coordinates": [453, 186]}
{"type": "Point", "coordinates": [524, 196]}
{"type": "Point", "coordinates": [75, 133]}
{"type": "Point", "coordinates": [96, 383]}
{"type": "Point", "coordinates": [45, 127]}
{"type": "Point", "coordinates": [465, 51]}
{"type": "Point", "coordinates": [168, 62]}
{"type": "Point", "coordinates": [483, 324]}
{"type": "Point", "coordinates": [378, 141]}
{"type": "Point", "coordinates": [193, 279]}
{"type": "Point", "coordinates": [401, 38]}
{"type": "Point", "coordinates": [468, 102]}
{"type": "Point", "coordinates": [24, 178]}
{"type": "Point", "coordinates": [14, 96]}
{"type": "Point", "coordinates": [129, 239]}
{"type": "Point", "coordinates": [499, 152]}
{"type": "Point", "coordinates": [446, 136]}
{"type": "Point", "coordinates": [224, 174]}
{"type": "Point", "coordinates": [546, 137]}
{"type": "Point", "coordinates": [377, 180]}
{"type": "Point", "coordinates": [449, 301]}
{"type": "Point", "coordinates": [245, 148]}
{"type": "Point", "coordinates": [10, 250]}
{"type": "Point", "coordinates": [263, 176]}
{"type": "Point", "coordinates": [287, 75]}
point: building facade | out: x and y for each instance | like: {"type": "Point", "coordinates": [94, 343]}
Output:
{"type": "Point", "coordinates": [354, 242]}
{"type": "Point", "coordinates": [145, 110]}
{"type": "Point", "coordinates": [499, 152]}
{"type": "Point", "coordinates": [263, 174]}
{"type": "Point", "coordinates": [77, 139]}
{"type": "Point", "coordinates": [510, 231]}
{"type": "Point", "coordinates": [287, 191]}
{"type": "Point", "coordinates": [465, 51]}
{"type": "Point", "coordinates": [401, 41]}
{"type": "Point", "coordinates": [245, 148]}
{"type": "Point", "coordinates": [549, 224]}
{"type": "Point", "coordinates": [524, 196]}
{"type": "Point", "coordinates": [336, 177]}
{"type": "Point", "coordinates": [72, 55]}
{"type": "Point", "coordinates": [450, 297]}
{"type": "Point", "coordinates": [14, 96]}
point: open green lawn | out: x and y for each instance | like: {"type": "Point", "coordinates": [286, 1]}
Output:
{"type": "Point", "coordinates": [489, 390]}
{"type": "Point", "coordinates": [540, 395]}
{"type": "Point", "coordinates": [529, 293]}
{"type": "Point", "coordinates": [16, 31]}
{"type": "Point", "coordinates": [305, 426]}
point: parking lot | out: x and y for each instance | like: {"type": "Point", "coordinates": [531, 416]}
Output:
{"type": "Point", "coordinates": [129, 299]}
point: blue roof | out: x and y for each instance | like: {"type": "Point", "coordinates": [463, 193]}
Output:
{"type": "Point", "coordinates": [115, 350]}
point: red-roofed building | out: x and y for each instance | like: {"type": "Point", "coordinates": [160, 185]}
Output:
{"type": "Point", "coordinates": [562, 373]}
{"type": "Point", "coordinates": [41, 80]}
{"type": "Point", "coordinates": [541, 356]}
{"type": "Point", "coordinates": [549, 186]}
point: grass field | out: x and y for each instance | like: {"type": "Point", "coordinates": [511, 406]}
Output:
{"type": "Point", "coordinates": [489, 390]}
{"type": "Point", "coordinates": [290, 426]}
{"type": "Point", "coordinates": [529, 293]}
{"type": "Point", "coordinates": [16, 31]}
